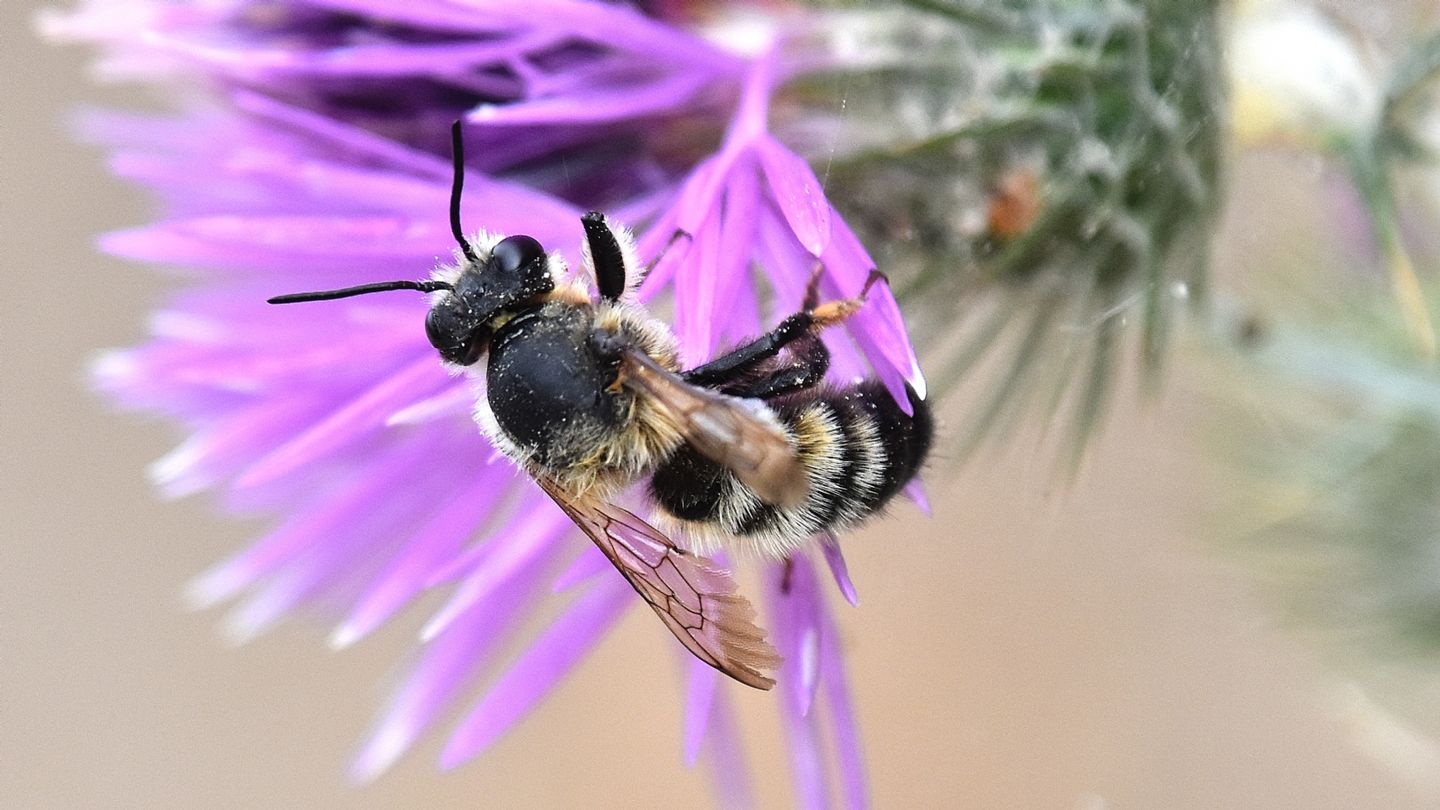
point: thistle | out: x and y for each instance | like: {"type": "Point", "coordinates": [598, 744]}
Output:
{"type": "Point", "coordinates": [325, 162]}
{"type": "Point", "coordinates": [1322, 387]}
{"type": "Point", "coordinates": [1043, 177]}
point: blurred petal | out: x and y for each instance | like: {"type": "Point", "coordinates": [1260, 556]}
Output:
{"type": "Point", "coordinates": [702, 680]}
{"type": "Point", "coordinates": [349, 423]}
{"type": "Point", "coordinates": [588, 564]}
{"type": "Point", "coordinates": [510, 551]}
{"type": "Point", "coordinates": [849, 752]}
{"type": "Point", "coordinates": [549, 658]}
{"type": "Point", "coordinates": [795, 608]}
{"type": "Point", "coordinates": [830, 547]}
{"type": "Point", "coordinates": [445, 666]}
{"type": "Point", "coordinates": [725, 755]}
{"type": "Point", "coordinates": [435, 542]}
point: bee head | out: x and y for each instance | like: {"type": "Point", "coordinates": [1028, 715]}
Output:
{"type": "Point", "coordinates": [513, 274]}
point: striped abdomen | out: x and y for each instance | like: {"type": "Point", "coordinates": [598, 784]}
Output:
{"type": "Point", "coordinates": [856, 445]}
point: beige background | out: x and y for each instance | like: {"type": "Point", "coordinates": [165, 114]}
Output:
{"type": "Point", "coordinates": [1026, 648]}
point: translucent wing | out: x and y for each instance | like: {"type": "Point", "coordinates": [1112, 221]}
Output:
{"type": "Point", "coordinates": [725, 429]}
{"type": "Point", "coordinates": [696, 600]}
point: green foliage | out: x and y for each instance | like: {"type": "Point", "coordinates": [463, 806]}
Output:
{"type": "Point", "coordinates": [1054, 178]}
{"type": "Point", "coordinates": [1328, 427]}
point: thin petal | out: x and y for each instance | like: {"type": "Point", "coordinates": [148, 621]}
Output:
{"type": "Point", "coordinates": [527, 537]}
{"type": "Point", "coordinates": [444, 670]}
{"type": "Point", "coordinates": [503, 206]}
{"type": "Point", "coordinates": [587, 565]}
{"type": "Point", "coordinates": [725, 755]}
{"type": "Point", "coordinates": [348, 424]}
{"type": "Point", "coordinates": [849, 750]}
{"type": "Point", "coordinates": [878, 327]}
{"type": "Point", "coordinates": [217, 452]}
{"type": "Point", "coordinates": [374, 245]}
{"type": "Point", "coordinates": [339, 509]}
{"type": "Point", "coordinates": [798, 194]}
{"type": "Point", "coordinates": [830, 547]}
{"type": "Point", "coordinates": [807, 762]}
{"type": "Point", "coordinates": [792, 596]}
{"type": "Point", "coordinates": [436, 541]}
{"type": "Point", "coordinates": [796, 603]}
{"type": "Point", "coordinates": [915, 491]}
{"type": "Point", "coordinates": [738, 226]}
{"type": "Point", "coordinates": [551, 657]}
{"type": "Point", "coordinates": [702, 681]}
{"type": "Point", "coordinates": [597, 104]}
{"type": "Point", "coordinates": [456, 401]}
{"type": "Point", "coordinates": [370, 537]}
{"type": "Point", "coordinates": [695, 295]}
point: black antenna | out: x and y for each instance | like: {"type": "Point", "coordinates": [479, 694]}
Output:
{"type": "Point", "coordinates": [363, 289]}
{"type": "Point", "coordinates": [457, 151]}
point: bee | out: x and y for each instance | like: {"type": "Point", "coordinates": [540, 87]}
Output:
{"type": "Point", "coordinates": [750, 451]}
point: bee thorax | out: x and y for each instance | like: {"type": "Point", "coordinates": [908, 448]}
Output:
{"type": "Point", "coordinates": [557, 411]}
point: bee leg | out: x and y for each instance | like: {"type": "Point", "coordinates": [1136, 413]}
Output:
{"type": "Point", "coordinates": [804, 368]}
{"type": "Point", "coordinates": [742, 360]}
{"type": "Point", "coordinates": [745, 359]}
{"type": "Point", "coordinates": [831, 313]}
{"type": "Point", "coordinates": [678, 234]}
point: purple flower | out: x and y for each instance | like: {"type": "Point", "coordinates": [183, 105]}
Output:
{"type": "Point", "coordinates": [319, 160]}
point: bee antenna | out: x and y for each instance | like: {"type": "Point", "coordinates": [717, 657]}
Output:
{"type": "Point", "coordinates": [457, 152]}
{"type": "Point", "coordinates": [363, 289]}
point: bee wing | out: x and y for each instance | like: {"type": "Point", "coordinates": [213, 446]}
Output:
{"type": "Point", "coordinates": [696, 600]}
{"type": "Point", "coordinates": [726, 430]}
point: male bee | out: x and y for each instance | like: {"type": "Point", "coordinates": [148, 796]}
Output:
{"type": "Point", "coordinates": [752, 450]}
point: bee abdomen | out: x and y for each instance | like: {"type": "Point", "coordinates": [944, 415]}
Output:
{"type": "Point", "coordinates": [858, 449]}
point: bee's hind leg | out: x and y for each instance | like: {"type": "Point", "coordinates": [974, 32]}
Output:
{"type": "Point", "coordinates": [747, 359]}
{"type": "Point", "coordinates": [804, 367]}
{"type": "Point", "coordinates": [832, 313]}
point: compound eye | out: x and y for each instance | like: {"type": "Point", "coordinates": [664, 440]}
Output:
{"type": "Point", "coordinates": [514, 252]}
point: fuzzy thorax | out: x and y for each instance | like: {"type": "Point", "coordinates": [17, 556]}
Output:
{"type": "Point", "coordinates": [582, 455]}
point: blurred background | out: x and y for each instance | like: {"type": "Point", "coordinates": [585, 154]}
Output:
{"type": "Point", "coordinates": [1107, 643]}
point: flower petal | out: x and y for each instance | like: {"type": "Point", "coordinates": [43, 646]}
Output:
{"type": "Point", "coordinates": [695, 295]}
{"type": "Point", "coordinates": [587, 565]}
{"type": "Point", "coordinates": [702, 681]}
{"type": "Point", "coordinates": [797, 193]}
{"type": "Point", "coordinates": [915, 491]}
{"type": "Point", "coordinates": [849, 752]}
{"type": "Point", "coordinates": [445, 667]}
{"type": "Point", "coordinates": [435, 542]}
{"type": "Point", "coordinates": [510, 550]}
{"type": "Point", "coordinates": [725, 755]}
{"type": "Point", "coordinates": [348, 424]}
{"type": "Point", "coordinates": [830, 547]}
{"type": "Point", "coordinates": [560, 649]}
{"type": "Point", "coordinates": [338, 509]}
